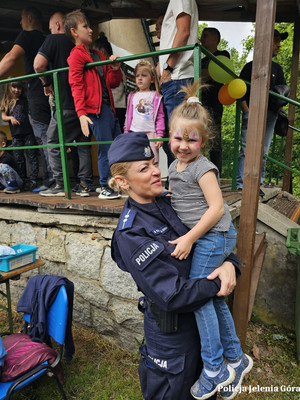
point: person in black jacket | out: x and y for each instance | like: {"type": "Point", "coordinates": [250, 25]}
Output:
{"type": "Point", "coordinates": [210, 40]}
{"type": "Point", "coordinates": [10, 181]}
{"type": "Point", "coordinates": [277, 78]}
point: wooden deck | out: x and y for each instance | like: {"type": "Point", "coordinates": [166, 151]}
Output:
{"type": "Point", "coordinates": [81, 205]}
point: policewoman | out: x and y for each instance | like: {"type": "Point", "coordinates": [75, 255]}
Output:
{"type": "Point", "coordinates": [170, 359]}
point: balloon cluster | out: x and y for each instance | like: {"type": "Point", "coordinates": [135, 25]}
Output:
{"type": "Point", "coordinates": [233, 88]}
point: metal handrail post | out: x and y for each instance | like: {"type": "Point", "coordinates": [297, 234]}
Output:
{"type": "Point", "coordinates": [238, 109]}
{"type": "Point", "coordinates": [197, 65]}
{"type": "Point", "coordinates": [61, 135]}
{"type": "Point", "coordinates": [274, 142]}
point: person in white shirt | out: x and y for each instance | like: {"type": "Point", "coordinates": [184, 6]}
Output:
{"type": "Point", "coordinates": [179, 28]}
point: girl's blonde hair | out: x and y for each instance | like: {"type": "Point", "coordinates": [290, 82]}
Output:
{"type": "Point", "coordinates": [120, 168]}
{"type": "Point", "coordinates": [8, 101]}
{"type": "Point", "coordinates": [192, 110]}
{"type": "Point", "coordinates": [145, 64]}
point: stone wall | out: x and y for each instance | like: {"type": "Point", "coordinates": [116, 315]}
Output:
{"type": "Point", "coordinates": [78, 247]}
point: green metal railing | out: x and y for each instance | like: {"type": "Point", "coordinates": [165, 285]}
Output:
{"type": "Point", "coordinates": [197, 53]}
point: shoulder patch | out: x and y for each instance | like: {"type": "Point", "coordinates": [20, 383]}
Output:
{"type": "Point", "coordinates": [145, 254]}
{"type": "Point", "coordinates": [126, 219]}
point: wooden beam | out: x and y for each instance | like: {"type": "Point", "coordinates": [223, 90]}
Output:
{"type": "Point", "coordinates": [260, 247]}
{"type": "Point", "coordinates": [287, 175]}
{"type": "Point", "coordinates": [260, 83]}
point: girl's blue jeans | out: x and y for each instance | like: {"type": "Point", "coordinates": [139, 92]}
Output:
{"type": "Point", "coordinates": [214, 320]}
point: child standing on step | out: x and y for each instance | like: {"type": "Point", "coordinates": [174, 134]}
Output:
{"type": "Point", "coordinates": [91, 90]}
{"type": "Point", "coordinates": [14, 108]}
{"type": "Point", "coordinates": [145, 107]}
{"type": "Point", "coordinates": [197, 200]}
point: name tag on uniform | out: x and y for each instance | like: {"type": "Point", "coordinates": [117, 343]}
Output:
{"type": "Point", "coordinates": [145, 255]}
{"type": "Point", "coordinates": [159, 231]}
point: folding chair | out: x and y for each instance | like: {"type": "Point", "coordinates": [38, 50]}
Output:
{"type": "Point", "coordinates": [56, 326]}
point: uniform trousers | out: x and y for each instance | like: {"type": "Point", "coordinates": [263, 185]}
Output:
{"type": "Point", "coordinates": [170, 362]}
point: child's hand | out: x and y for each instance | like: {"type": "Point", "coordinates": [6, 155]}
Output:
{"type": "Point", "coordinates": [48, 90]}
{"type": "Point", "coordinates": [116, 65]}
{"type": "Point", "coordinates": [183, 248]}
{"type": "Point", "coordinates": [14, 121]}
{"type": "Point", "coordinates": [84, 123]}
{"type": "Point", "coordinates": [158, 144]}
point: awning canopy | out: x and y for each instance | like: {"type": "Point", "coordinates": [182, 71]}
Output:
{"type": "Point", "coordinates": [103, 10]}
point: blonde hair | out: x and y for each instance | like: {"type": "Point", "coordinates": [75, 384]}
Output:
{"type": "Point", "coordinates": [8, 101]}
{"type": "Point", "coordinates": [145, 64]}
{"type": "Point", "coordinates": [193, 111]}
{"type": "Point", "coordinates": [120, 168]}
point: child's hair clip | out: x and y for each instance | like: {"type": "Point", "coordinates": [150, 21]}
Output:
{"type": "Point", "coordinates": [193, 99]}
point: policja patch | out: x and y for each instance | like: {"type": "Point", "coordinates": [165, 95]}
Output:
{"type": "Point", "coordinates": [146, 254]}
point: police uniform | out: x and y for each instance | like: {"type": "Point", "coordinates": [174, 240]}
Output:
{"type": "Point", "coordinates": [170, 359]}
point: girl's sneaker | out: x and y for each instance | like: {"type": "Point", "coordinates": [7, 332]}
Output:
{"type": "Point", "coordinates": [206, 386]}
{"type": "Point", "coordinates": [233, 389]}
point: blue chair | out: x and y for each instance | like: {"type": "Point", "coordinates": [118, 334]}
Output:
{"type": "Point", "coordinates": [56, 325]}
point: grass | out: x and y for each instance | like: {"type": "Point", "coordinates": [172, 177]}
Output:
{"type": "Point", "coordinates": [101, 370]}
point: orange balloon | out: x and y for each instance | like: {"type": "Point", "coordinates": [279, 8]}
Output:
{"type": "Point", "coordinates": [224, 97]}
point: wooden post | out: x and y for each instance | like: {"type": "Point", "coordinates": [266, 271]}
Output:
{"type": "Point", "coordinates": [287, 175]}
{"type": "Point", "coordinates": [260, 83]}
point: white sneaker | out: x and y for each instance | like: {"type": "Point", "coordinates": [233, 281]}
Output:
{"type": "Point", "coordinates": [108, 193]}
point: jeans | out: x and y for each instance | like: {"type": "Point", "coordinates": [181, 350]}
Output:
{"type": "Point", "coordinates": [72, 133]}
{"type": "Point", "coordinates": [26, 140]}
{"type": "Point", "coordinates": [171, 97]}
{"type": "Point", "coordinates": [8, 174]}
{"type": "Point", "coordinates": [271, 121]}
{"type": "Point", "coordinates": [105, 127]}
{"type": "Point", "coordinates": [40, 133]}
{"type": "Point", "coordinates": [214, 320]}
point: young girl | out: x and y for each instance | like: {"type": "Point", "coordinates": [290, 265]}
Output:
{"type": "Point", "coordinates": [14, 108]}
{"type": "Point", "coordinates": [144, 106]}
{"type": "Point", "coordinates": [198, 201]}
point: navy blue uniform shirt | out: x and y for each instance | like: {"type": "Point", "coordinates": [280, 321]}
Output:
{"type": "Point", "coordinates": [140, 246]}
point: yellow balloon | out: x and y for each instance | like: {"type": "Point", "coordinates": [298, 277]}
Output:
{"type": "Point", "coordinates": [237, 88]}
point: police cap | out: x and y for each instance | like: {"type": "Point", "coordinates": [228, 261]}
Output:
{"type": "Point", "coordinates": [132, 146]}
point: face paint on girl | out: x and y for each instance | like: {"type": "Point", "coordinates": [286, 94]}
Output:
{"type": "Point", "coordinates": [186, 141]}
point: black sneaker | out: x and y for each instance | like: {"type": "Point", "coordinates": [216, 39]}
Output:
{"type": "Point", "coordinates": [108, 193]}
{"type": "Point", "coordinates": [57, 190]}
{"type": "Point", "coordinates": [82, 191]}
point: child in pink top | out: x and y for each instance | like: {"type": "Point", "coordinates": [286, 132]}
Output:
{"type": "Point", "coordinates": [144, 106]}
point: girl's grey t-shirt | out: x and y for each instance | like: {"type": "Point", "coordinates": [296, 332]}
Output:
{"type": "Point", "coordinates": [187, 197]}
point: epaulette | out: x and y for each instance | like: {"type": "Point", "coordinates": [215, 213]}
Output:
{"type": "Point", "coordinates": [126, 219]}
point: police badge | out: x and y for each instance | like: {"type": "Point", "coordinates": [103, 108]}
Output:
{"type": "Point", "coordinates": [147, 152]}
